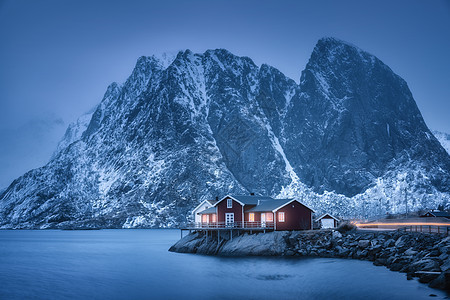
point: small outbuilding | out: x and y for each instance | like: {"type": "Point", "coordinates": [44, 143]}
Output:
{"type": "Point", "coordinates": [436, 214]}
{"type": "Point", "coordinates": [205, 204]}
{"type": "Point", "coordinates": [327, 221]}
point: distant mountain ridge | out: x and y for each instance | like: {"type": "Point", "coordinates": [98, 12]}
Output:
{"type": "Point", "coordinates": [349, 139]}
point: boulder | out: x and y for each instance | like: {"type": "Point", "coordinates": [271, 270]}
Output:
{"type": "Point", "coordinates": [442, 281]}
{"type": "Point", "coordinates": [410, 252]}
{"type": "Point", "coordinates": [401, 242]}
{"type": "Point", "coordinates": [425, 265]}
{"type": "Point", "coordinates": [363, 244]}
{"type": "Point", "coordinates": [336, 235]}
{"type": "Point", "coordinates": [389, 243]}
{"type": "Point", "coordinates": [380, 262]}
{"type": "Point", "coordinates": [396, 266]}
{"type": "Point", "coordinates": [427, 277]}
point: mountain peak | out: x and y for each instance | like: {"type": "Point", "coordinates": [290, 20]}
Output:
{"type": "Point", "coordinates": [214, 123]}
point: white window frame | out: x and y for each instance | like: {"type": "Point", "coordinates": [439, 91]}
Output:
{"type": "Point", "coordinates": [281, 216]}
{"type": "Point", "coordinates": [251, 217]}
{"type": "Point", "coordinates": [229, 203]}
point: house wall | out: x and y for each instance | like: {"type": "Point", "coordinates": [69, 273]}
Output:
{"type": "Point", "coordinates": [222, 210]}
{"type": "Point", "coordinates": [328, 217]}
{"type": "Point", "coordinates": [197, 218]}
{"type": "Point", "coordinates": [296, 215]}
{"type": "Point", "coordinates": [257, 217]}
{"type": "Point", "coordinates": [210, 218]}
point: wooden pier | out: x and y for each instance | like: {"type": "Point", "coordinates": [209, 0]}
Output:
{"type": "Point", "coordinates": [237, 227]}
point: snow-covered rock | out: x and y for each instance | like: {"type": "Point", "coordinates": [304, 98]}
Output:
{"type": "Point", "coordinates": [348, 140]}
{"type": "Point", "coordinates": [444, 139]}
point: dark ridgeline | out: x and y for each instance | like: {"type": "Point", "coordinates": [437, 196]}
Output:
{"type": "Point", "coordinates": [213, 123]}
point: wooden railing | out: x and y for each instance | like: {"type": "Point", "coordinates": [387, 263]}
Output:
{"type": "Point", "coordinates": [224, 225]}
{"type": "Point", "coordinates": [437, 229]}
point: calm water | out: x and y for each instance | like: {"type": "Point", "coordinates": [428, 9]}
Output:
{"type": "Point", "coordinates": [135, 264]}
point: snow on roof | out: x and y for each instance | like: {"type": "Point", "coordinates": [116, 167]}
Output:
{"type": "Point", "coordinates": [327, 214]}
{"type": "Point", "coordinates": [247, 200]}
{"type": "Point", "coordinates": [263, 203]}
{"type": "Point", "coordinates": [211, 210]}
{"type": "Point", "coordinates": [211, 202]}
{"type": "Point", "coordinates": [270, 205]}
{"type": "Point", "coordinates": [439, 214]}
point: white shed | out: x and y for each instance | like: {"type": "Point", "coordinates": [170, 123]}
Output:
{"type": "Point", "coordinates": [327, 221]}
{"type": "Point", "coordinates": [201, 207]}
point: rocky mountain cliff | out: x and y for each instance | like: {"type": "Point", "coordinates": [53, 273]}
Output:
{"type": "Point", "coordinates": [444, 139]}
{"type": "Point", "coordinates": [348, 139]}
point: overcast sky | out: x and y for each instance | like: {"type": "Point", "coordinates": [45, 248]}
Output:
{"type": "Point", "coordinates": [58, 57]}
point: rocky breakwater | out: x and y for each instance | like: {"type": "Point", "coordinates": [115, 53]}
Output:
{"type": "Point", "coordinates": [417, 254]}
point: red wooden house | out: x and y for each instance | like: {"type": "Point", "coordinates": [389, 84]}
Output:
{"type": "Point", "coordinates": [236, 211]}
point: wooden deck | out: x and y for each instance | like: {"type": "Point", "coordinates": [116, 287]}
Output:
{"type": "Point", "coordinates": [238, 227]}
{"type": "Point", "coordinates": [229, 226]}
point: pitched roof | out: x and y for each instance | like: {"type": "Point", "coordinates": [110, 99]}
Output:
{"type": "Point", "coordinates": [263, 203]}
{"type": "Point", "coordinates": [246, 200]}
{"type": "Point", "coordinates": [249, 200]}
{"type": "Point", "coordinates": [270, 205]}
{"type": "Point", "coordinates": [326, 214]}
{"type": "Point", "coordinates": [211, 210]}
{"type": "Point", "coordinates": [440, 214]}
{"type": "Point", "coordinates": [211, 202]}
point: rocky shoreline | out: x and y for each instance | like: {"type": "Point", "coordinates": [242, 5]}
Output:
{"type": "Point", "coordinates": [425, 256]}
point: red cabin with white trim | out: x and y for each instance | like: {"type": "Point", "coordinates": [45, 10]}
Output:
{"type": "Point", "coordinates": [260, 212]}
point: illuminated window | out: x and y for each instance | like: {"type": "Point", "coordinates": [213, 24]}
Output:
{"type": "Point", "coordinates": [281, 216]}
{"type": "Point", "coordinates": [269, 217]}
{"type": "Point", "coordinates": [205, 218]}
{"type": "Point", "coordinates": [251, 217]}
{"type": "Point", "coordinates": [214, 218]}
{"type": "Point", "coordinates": [229, 203]}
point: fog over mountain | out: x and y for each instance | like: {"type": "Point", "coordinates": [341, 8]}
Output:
{"type": "Point", "coordinates": [349, 139]}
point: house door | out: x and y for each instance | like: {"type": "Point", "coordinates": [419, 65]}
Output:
{"type": "Point", "coordinates": [263, 219]}
{"type": "Point", "coordinates": [229, 219]}
{"type": "Point", "coordinates": [327, 223]}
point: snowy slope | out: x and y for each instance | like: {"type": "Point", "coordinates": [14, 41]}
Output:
{"type": "Point", "coordinates": [444, 139]}
{"type": "Point", "coordinates": [349, 139]}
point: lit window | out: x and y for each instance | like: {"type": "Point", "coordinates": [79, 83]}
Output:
{"type": "Point", "coordinates": [205, 218]}
{"type": "Point", "coordinates": [281, 216]}
{"type": "Point", "coordinates": [214, 216]}
{"type": "Point", "coordinates": [251, 217]}
{"type": "Point", "coordinates": [229, 203]}
{"type": "Point", "coordinates": [269, 217]}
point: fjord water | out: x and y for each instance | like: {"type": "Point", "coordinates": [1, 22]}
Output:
{"type": "Point", "coordinates": [135, 264]}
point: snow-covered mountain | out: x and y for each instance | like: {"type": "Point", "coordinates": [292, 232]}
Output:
{"type": "Point", "coordinates": [444, 139]}
{"type": "Point", "coordinates": [349, 139]}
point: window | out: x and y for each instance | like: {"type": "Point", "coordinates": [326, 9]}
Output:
{"type": "Point", "coordinates": [281, 216]}
{"type": "Point", "coordinates": [214, 218]}
{"type": "Point", "coordinates": [269, 217]}
{"type": "Point", "coordinates": [251, 217]}
{"type": "Point", "coordinates": [205, 218]}
{"type": "Point", "coordinates": [229, 203]}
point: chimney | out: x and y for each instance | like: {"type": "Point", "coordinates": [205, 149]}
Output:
{"type": "Point", "coordinates": [252, 194]}
{"type": "Point", "coordinates": [217, 198]}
